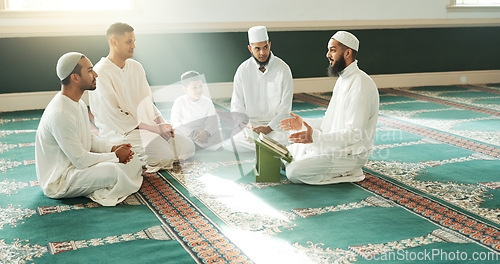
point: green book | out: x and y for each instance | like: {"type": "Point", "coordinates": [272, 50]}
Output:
{"type": "Point", "coordinates": [270, 144]}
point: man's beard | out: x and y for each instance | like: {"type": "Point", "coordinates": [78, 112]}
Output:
{"type": "Point", "coordinates": [263, 63]}
{"type": "Point", "coordinates": [92, 87]}
{"type": "Point", "coordinates": [337, 67]}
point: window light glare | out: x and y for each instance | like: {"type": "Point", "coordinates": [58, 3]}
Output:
{"type": "Point", "coordinates": [22, 5]}
{"type": "Point", "coordinates": [477, 2]}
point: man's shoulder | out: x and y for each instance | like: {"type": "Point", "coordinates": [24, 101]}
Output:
{"type": "Point", "coordinates": [103, 66]}
{"type": "Point", "coordinates": [180, 99]}
{"type": "Point", "coordinates": [279, 60]}
{"type": "Point", "coordinates": [365, 81]}
{"type": "Point", "coordinates": [364, 75]}
{"type": "Point", "coordinates": [57, 110]}
{"type": "Point", "coordinates": [245, 64]}
{"type": "Point", "coordinates": [279, 63]}
{"type": "Point", "coordinates": [133, 62]}
{"type": "Point", "coordinates": [106, 65]}
{"type": "Point", "coordinates": [206, 100]}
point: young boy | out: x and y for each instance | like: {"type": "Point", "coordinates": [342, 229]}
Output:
{"type": "Point", "coordinates": [194, 115]}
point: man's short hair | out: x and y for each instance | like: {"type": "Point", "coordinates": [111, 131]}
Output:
{"type": "Point", "coordinates": [354, 52]}
{"type": "Point", "coordinates": [77, 70]}
{"type": "Point", "coordinates": [118, 28]}
{"type": "Point", "coordinates": [190, 76]}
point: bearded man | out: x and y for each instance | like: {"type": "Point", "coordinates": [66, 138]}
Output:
{"type": "Point", "coordinates": [70, 160]}
{"type": "Point", "coordinates": [333, 149]}
{"type": "Point", "coordinates": [262, 90]}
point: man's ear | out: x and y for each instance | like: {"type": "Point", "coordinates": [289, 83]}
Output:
{"type": "Point", "coordinates": [74, 76]}
{"type": "Point", "coordinates": [347, 53]}
{"type": "Point", "coordinates": [250, 48]}
{"type": "Point", "coordinates": [112, 41]}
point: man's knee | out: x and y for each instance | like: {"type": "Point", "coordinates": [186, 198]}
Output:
{"type": "Point", "coordinates": [133, 167]}
{"type": "Point", "coordinates": [293, 173]}
{"type": "Point", "coordinates": [185, 147]}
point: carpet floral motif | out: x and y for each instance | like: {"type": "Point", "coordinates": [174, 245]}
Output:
{"type": "Point", "coordinates": [318, 254]}
{"type": "Point", "coordinates": [372, 201]}
{"type": "Point", "coordinates": [437, 236]}
{"type": "Point", "coordinates": [4, 133]}
{"type": "Point", "coordinates": [20, 251]}
{"type": "Point", "coordinates": [466, 196]}
{"type": "Point", "coordinates": [8, 186]}
{"type": "Point", "coordinates": [232, 203]}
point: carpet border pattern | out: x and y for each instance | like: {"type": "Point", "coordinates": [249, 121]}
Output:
{"type": "Point", "coordinates": [201, 238]}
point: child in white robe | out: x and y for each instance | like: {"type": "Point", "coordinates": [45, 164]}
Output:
{"type": "Point", "coordinates": [194, 115]}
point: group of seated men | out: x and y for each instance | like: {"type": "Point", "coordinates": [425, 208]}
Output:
{"type": "Point", "coordinates": [71, 161]}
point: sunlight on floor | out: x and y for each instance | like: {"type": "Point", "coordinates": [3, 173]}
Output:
{"type": "Point", "coordinates": [237, 198]}
{"type": "Point", "coordinates": [255, 239]}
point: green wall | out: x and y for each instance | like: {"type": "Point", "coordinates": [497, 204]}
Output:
{"type": "Point", "coordinates": [28, 64]}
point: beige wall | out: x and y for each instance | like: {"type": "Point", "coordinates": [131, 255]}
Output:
{"type": "Point", "coordinates": [161, 16]}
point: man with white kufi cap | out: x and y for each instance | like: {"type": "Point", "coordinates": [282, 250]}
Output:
{"type": "Point", "coordinates": [333, 149]}
{"type": "Point", "coordinates": [262, 90]}
{"type": "Point", "coordinates": [70, 160]}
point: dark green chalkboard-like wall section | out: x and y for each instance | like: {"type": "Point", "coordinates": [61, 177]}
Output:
{"type": "Point", "coordinates": [28, 64]}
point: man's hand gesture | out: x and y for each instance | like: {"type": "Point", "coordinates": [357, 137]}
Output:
{"type": "Point", "coordinates": [200, 136]}
{"type": "Point", "coordinates": [292, 123]}
{"type": "Point", "coordinates": [262, 129]}
{"type": "Point", "coordinates": [302, 136]}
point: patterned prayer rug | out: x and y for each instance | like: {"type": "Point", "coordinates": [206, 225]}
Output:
{"type": "Point", "coordinates": [430, 194]}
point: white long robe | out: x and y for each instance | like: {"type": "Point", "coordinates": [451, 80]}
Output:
{"type": "Point", "coordinates": [121, 102]}
{"type": "Point", "coordinates": [72, 162]}
{"type": "Point", "coordinates": [187, 116]}
{"type": "Point", "coordinates": [265, 97]}
{"type": "Point", "coordinates": [343, 138]}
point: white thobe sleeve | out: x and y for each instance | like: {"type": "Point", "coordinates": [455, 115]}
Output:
{"type": "Point", "coordinates": [145, 103]}
{"type": "Point", "coordinates": [286, 100]}
{"type": "Point", "coordinates": [107, 105]}
{"type": "Point", "coordinates": [99, 145]}
{"type": "Point", "coordinates": [356, 115]}
{"type": "Point", "coordinates": [315, 123]}
{"type": "Point", "coordinates": [212, 120]}
{"type": "Point", "coordinates": [63, 129]}
{"type": "Point", "coordinates": [176, 118]}
{"type": "Point", "coordinates": [147, 90]}
{"type": "Point", "coordinates": [176, 114]}
{"type": "Point", "coordinates": [238, 99]}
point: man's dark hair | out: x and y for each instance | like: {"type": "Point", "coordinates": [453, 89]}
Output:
{"type": "Point", "coordinates": [354, 53]}
{"type": "Point", "coordinates": [77, 70]}
{"type": "Point", "coordinates": [190, 76]}
{"type": "Point", "coordinates": [118, 28]}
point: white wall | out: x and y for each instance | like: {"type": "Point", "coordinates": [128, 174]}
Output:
{"type": "Point", "coordinates": [159, 16]}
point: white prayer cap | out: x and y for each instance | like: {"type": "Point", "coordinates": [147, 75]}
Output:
{"type": "Point", "coordinates": [347, 39]}
{"type": "Point", "coordinates": [67, 63]}
{"type": "Point", "coordinates": [257, 34]}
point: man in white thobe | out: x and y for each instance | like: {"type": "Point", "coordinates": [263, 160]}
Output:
{"type": "Point", "coordinates": [262, 89]}
{"type": "Point", "coordinates": [123, 107]}
{"type": "Point", "coordinates": [194, 115]}
{"type": "Point", "coordinates": [70, 160]}
{"type": "Point", "coordinates": [333, 149]}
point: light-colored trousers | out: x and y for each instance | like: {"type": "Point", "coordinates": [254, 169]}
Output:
{"type": "Point", "coordinates": [309, 167]}
{"type": "Point", "coordinates": [107, 183]}
{"type": "Point", "coordinates": [155, 152]}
